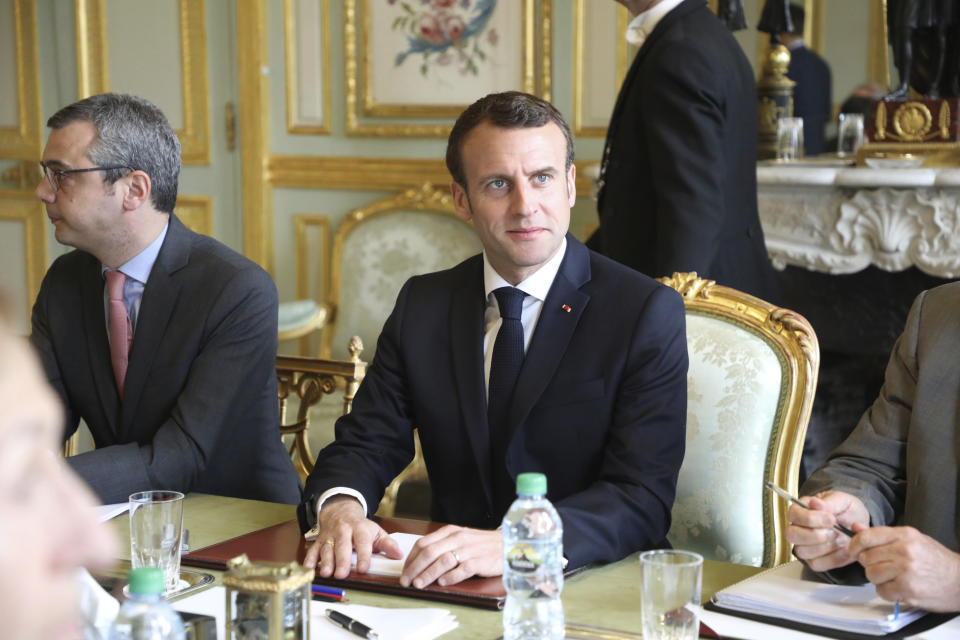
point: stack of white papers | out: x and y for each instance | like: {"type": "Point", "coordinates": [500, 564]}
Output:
{"type": "Point", "coordinates": [384, 566]}
{"type": "Point", "coordinates": [782, 593]}
{"type": "Point", "coordinates": [390, 624]}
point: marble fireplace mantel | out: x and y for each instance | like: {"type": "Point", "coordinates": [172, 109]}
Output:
{"type": "Point", "coordinates": [842, 219]}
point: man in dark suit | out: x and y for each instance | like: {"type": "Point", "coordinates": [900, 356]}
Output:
{"type": "Point", "coordinates": [678, 187]}
{"type": "Point", "coordinates": [812, 95]}
{"type": "Point", "coordinates": [163, 341]}
{"type": "Point", "coordinates": [598, 405]}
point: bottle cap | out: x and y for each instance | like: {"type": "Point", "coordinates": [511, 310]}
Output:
{"type": "Point", "coordinates": [146, 580]}
{"type": "Point", "coordinates": [532, 484]}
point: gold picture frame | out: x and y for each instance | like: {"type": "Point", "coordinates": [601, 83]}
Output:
{"type": "Point", "coordinates": [293, 26]}
{"type": "Point", "coordinates": [23, 141]}
{"type": "Point", "coordinates": [365, 114]}
{"type": "Point", "coordinates": [93, 76]}
{"type": "Point", "coordinates": [583, 125]}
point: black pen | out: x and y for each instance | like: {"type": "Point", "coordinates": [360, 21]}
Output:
{"type": "Point", "coordinates": [789, 498]}
{"type": "Point", "coordinates": [351, 625]}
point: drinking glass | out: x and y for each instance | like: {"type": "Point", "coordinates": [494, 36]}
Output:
{"type": "Point", "coordinates": [670, 605]}
{"type": "Point", "coordinates": [156, 523]}
{"type": "Point", "coordinates": [849, 134]}
{"type": "Point", "coordinates": [789, 139]}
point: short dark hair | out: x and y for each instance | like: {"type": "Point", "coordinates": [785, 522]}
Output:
{"type": "Point", "coordinates": [509, 110]}
{"type": "Point", "coordinates": [798, 17]}
{"type": "Point", "coordinates": [131, 132]}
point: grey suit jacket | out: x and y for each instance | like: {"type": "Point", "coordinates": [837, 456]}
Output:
{"type": "Point", "coordinates": [199, 411]}
{"type": "Point", "coordinates": [902, 459]}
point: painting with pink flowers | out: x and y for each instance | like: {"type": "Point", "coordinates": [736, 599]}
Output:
{"type": "Point", "coordinates": [431, 57]}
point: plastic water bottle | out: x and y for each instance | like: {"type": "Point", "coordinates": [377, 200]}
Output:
{"type": "Point", "coordinates": [146, 615]}
{"type": "Point", "coordinates": [532, 564]}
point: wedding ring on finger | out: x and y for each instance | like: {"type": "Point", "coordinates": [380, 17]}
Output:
{"type": "Point", "coordinates": [455, 556]}
{"type": "Point", "coordinates": [328, 541]}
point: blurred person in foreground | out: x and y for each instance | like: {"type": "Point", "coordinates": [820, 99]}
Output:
{"type": "Point", "coordinates": [894, 481]}
{"type": "Point", "coordinates": [48, 527]}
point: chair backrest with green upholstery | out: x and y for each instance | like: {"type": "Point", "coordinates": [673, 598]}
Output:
{"type": "Point", "coordinates": [750, 387]}
{"type": "Point", "coordinates": [378, 247]}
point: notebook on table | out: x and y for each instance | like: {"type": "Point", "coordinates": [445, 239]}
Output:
{"type": "Point", "coordinates": [792, 596]}
{"type": "Point", "coordinates": [284, 543]}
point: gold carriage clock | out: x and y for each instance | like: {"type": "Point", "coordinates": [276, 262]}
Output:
{"type": "Point", "coordinates": [267, 601]}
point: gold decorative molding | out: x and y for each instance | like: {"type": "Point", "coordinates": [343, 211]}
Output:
{"type": "Point", "coordinates": [253, 90]}
{"type": "Point", "coordinates": [196, 212]}
{"type": "Point", "coordinates": [358, 75]}
{"type": "Point", "coordinates": [579, 46]}
{"type": "Point", "coordinates": [290, 54]}
{"type": "Point", "coordinates": [376, 174]}
{"type": "Point", "coordinates": [93, 69]}
{"type": "Point", "coordinates": [22, 206]}
{"type": "Point", "coordinates": [24, 141]}
{"type": "Point", "coordinates": [302, 223]}
{"type": "Point", "coordinates": [878, 61]}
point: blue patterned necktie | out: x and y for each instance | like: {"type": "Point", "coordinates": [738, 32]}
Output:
{"type": "Point", "coordinates": [504, 371]}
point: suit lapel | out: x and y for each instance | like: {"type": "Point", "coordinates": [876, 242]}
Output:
{"type": "Point", "coordinates": [554, 330]}
{"type": "Point", "coordinates": [466, 332]}
{"type": "Point", "coordinates": [156, 306]}
{"type": "Point", "coordinates": [98, 348]}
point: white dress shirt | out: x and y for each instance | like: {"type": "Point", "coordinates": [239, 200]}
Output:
{"type": "Point", "coordinates": [645, 22]}
{"type": "Point", "coordinates": [536, 287]}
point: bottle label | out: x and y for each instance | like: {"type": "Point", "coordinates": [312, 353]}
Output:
{"type": "Point", "coordinates": [523, 559]}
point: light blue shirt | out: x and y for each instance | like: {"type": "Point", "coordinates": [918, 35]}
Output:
{"type": "Point", "coordinates": [137, 269]}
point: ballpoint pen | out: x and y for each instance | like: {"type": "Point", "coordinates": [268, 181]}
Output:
{"type": "Point", "coordinates": [789, 498]}
{"type": "Point", "coordinates": [331, 592]}
{"type": "Point", "coordinates": [351, 625]}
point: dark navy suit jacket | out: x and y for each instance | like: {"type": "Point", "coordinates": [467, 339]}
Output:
{"type": "Point", "coordinates": [199, 411]}
{"type": "Point", "coordinates": [811, 96]}
{"type": "Point", "coordinates": [600, 405]}
{"type": "Point", "coordinates": [680, 183]}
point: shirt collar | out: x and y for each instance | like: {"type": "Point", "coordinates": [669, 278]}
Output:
{"type": "Point", "coordinates": [537, 285]}
{"type": "Point", "coordinates": [796, 44]}
{"type": "Point", "coordinates": [645, 22]}
{"type": "Point", "coordinates": [139, 266]}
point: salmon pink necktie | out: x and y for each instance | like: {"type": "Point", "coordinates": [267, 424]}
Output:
{"type": "Point", "coordinates": [121, 331]}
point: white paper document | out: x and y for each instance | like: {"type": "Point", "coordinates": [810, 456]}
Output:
{"type": "Point", "coordinates": [384, 566]}
{"type": "Point", "coordinates": [782, 593]}
{"type": "Point", "coordinates": [390, 624]}
{"type": "Point", "coordinates": [110, 511]}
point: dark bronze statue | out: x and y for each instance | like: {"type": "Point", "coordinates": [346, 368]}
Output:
{"type": "Point", "coordinates": [731, 14]}
{"type": "Point", "coordinates": [924, 35]}
{"type": "Point", "coordinates": [775, 19]}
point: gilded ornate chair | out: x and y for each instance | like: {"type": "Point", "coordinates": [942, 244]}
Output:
{"type": "Point", "coordinates": [309, 380]}
{"type": "Point", "coordinates": [375, 250]}
{"type": "Point", "coordinates": [750, 387]}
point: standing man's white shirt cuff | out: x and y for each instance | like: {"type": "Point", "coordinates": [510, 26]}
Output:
{"type": "Point", "coordinates": [326, 495]}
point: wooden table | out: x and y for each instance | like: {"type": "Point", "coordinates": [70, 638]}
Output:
{"type": "Point", "coordinates": [607, 596]}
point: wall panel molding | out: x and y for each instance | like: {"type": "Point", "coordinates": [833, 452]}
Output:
{"type": "Point", "coordinates": [22, 206]}
{"type": "Point", "coordinates": [93, 72]}
{"type": "Point", "coordinates": [24, 140]}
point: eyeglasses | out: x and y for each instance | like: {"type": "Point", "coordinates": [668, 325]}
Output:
{"type": "Point", "coordinates": [54, 176]}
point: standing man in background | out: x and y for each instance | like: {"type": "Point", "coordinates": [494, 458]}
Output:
{"type": "Point", "coordinates": [812, 95]}
{"type": "Point", "coordinates": [678, 186]}
{"type": "Point", "coordinates": [162, 340]}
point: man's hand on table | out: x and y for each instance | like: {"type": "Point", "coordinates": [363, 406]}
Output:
{"type": "Point", "coordinates": [452, 554]}
{"type": "Point", "coordinates": [344, 528]}
{"type": "Point", "coordinates": [811, 531]}
{"type": "Point", "coordinates": [908, 566]}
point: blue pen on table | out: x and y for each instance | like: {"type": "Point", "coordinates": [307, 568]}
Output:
{"type": "Point", "coordinates": [329, 592]}
{"type": "Point", "coordinates": [789, 498]}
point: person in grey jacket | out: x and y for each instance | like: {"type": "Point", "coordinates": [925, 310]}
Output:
{"type": "Point", "coordinates": [894, 481]}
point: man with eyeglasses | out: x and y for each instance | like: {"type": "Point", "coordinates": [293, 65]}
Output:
{"type": "Point", "coordinates": [162, 340]}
